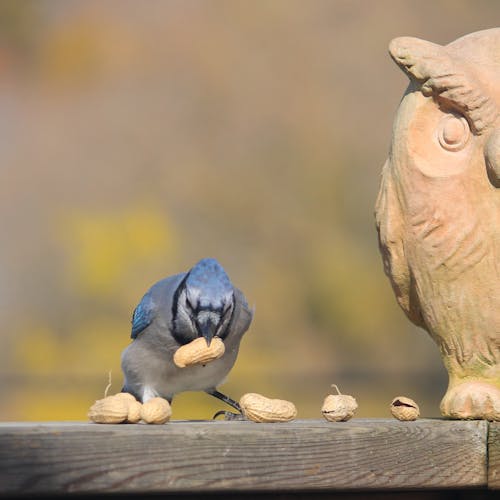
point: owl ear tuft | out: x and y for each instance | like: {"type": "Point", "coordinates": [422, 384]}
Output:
{"type": "Point", "coordinates": [447, 78]}
{"type": "Point", "coordinates": [414, 56]}
{"type": "Point", "coordinates": [492, 157]}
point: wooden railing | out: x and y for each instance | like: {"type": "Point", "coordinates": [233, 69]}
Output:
{"type": "Point", "coordinates": [217, 456]}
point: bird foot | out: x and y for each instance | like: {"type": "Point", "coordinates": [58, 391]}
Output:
{"type": "Point", "coordinates": [229, 415]}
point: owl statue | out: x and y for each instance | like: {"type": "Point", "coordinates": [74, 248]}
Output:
{"type": "Point", "coordinates": [438, 210]}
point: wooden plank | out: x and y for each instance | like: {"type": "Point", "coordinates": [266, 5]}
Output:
{"type": "Point", "coordinates": [242, 456]}
{"type": "Point", "coordinates": [494, 456]}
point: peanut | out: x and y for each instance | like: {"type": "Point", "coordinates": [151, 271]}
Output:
{"type": "Point", "coordinates": [156, 411]}
{"type": "Point", "coordinates": [134, 412]}
{"type": "Point", "coordinates": [125, 396]}
{"type": "Point", "coordinates": [116, 409]}
{"type": "Point", "coordinates": [338, 407]}
{"type": "Point", "coordinates": [197, 352]}
{"type": "Point", "coordinates": [404, 408]}
{"type": "Point", "coordinates": [110, 410]}
{"type": "Point", "coordinates": [261, 409]}
{"type": "Point", "coordinates": [134, 407]}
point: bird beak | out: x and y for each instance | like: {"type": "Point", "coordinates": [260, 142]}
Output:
{"type": "Point", "coordinates": [207, 328]}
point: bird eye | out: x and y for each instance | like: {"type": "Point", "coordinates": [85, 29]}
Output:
{"type": "Point", "coordinates": [453, 132]}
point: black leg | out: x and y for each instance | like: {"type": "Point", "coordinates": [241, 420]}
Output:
{"type": "Point", "coordinates": [226, 399]}
{"type": "Point", "coordinates": [231, 402]}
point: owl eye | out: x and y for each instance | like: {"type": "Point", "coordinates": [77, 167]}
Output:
{"type": "Point", "coordinates": [453, 133]}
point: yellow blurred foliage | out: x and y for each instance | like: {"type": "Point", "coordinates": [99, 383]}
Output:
{"type": "Point", "coordinates": [44, 403]}
{"type": "Point", "coordinates": [38, 349]}
{"type": "Point", "coordinates": [102, 248]}
{"type": "Point", "coordinates": [91, 346]}
{"type": "Point", "coordinates": [345, 286]}
{"type": "Point", "coordinates": [95, 346]}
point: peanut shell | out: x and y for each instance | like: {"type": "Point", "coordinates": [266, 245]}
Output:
{"type": "Point", "coordinates": [134, 412]}
{"type": "Point", "coordinates": [404, 408]}
{"type": "Point", "coordinates": [339, 407]}
{"type": "Point", "coordinates": [198, 353]}
{"type": "Point", "coordinates": [125, 396]}
{"type": "Point", "coordinates": [156, 411]}
{"type": "Point", "coordinates": [261, 409]}
{"type": "Point", "coordinates": [110, 410]}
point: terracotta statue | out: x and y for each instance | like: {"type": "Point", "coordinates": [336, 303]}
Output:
{"type": "Point", "coordinates": [438, 210]}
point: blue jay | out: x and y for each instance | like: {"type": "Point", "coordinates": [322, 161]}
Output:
{"type": "Point", "coordinates": [176, 310]}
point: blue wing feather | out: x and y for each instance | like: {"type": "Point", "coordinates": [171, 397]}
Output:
{"type": "Point", "coordinates": [143, 315]}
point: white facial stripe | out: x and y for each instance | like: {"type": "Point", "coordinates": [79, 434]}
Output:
{"type": "Point", "coordinates": [148, 392]}
{"type": "Point", "coordinates": [211, 316]}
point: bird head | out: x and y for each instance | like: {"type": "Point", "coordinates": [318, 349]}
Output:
{"type": "Point", "coordinates": [204, 303]}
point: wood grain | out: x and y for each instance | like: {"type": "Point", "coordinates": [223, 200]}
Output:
{"type": "Point", "coordinates": [244, 456]}
{"type": "Point", "coordinates": [494, 456]}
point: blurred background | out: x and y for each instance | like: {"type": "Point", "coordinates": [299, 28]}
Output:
{"type": "Point", "coordinates": [138, 137]}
